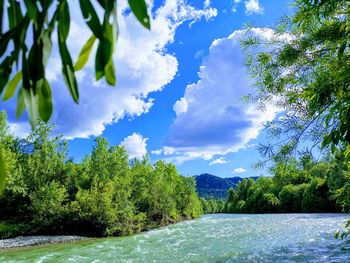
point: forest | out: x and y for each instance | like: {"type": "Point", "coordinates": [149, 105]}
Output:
{"type": "Point", "coordinates": [103, 195]}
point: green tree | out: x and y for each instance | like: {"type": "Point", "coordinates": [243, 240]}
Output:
{"type": "Point", "coordinates": [103, 195]}
{"type": "Point", "coordinates": [304, 71]}
{"type": "Point", "coordinates": [291, 198]}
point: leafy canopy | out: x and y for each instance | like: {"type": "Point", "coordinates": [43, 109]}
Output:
{"type": "Point", "coordinates": [306, 72]}
{"type": "Point", "coordinates": [103, 195]}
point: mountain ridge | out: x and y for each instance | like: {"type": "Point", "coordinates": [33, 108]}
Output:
{"type": "Point", "coordinates": [212, 186]}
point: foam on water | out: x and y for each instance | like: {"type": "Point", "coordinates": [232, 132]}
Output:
{"type": "Point", "coordinates": [212, 238]}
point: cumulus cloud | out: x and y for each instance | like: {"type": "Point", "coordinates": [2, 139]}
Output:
{"type": "Point", "coordinates": [239, 170]}
{"type": "Point", "coordinates": [143, 66]}
{"type": "Point", "coordinates": [180, 106]}
{"type": "Point", "coordinates": [218, 161]}
{"type": "Point", "coordinates": [253, 6]}
{"type": "Point", "coordinates": [135, 145]}
{"type": "Point", "coordinates": [216, 121]}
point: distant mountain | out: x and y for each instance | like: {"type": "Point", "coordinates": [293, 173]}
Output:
{"type": "Point", "coordinates": [211, 186]}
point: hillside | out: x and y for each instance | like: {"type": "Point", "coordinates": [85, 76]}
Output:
{"type": "Point", "coordinates": [208, 185]}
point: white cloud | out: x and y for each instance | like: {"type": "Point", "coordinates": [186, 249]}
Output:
{"type": "Point", "coordinates": [142, 62]}
{"type": "Point", "coordinates": [135, 145]}
{"type": "Point", "coordinates": [180, 106]}
{"type": "Point", "coordinates": [253, 6]}
{"type": "Point", "coordinates": [218, 161]}
{"type": "Point", "coordinates": [157, 152]}
{"type": "Point", "coordinates": [169, 150]}
{"type": "Point", "coordinates": [239, 170]}
{"type": "Point", "coordinates": [206, 3]}
{"type": "Point", "coordinates": [216, 121]}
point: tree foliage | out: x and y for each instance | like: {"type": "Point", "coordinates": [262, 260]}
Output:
{"type": "Point", "coordinates": [304, 70]}
{"type": "Point", "coordinates": [103, 195]}
{"type": "Point", "coordinates": [26, 44]}
{"type": "Point", "coordinates": [317, 187]}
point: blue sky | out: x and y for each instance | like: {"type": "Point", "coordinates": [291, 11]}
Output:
{"type": "Point", "coordinates": [179, 87]}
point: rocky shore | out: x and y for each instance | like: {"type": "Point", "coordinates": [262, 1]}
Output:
{"type": "Point", "coordinates": [26, 241]}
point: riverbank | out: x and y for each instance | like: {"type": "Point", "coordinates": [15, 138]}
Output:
{"type": "Point", "coordinates": [28, 241]}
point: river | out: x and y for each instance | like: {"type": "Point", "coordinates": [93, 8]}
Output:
{"type": "Point", "coordinates": [212, 238]}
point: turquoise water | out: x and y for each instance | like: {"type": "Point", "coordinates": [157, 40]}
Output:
{"type": "Point", "coordinates": [212, 238]}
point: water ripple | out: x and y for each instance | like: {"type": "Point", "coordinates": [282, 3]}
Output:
{"type": "Point", "coordinates": [213, 238]}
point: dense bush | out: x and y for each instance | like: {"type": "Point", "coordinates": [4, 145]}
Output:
{"type": "Point", "coordinates": [104, 195]}
{"type": "Point", "coordinates": [212, 206]}
{"type": "Point", "coordinates": [296, 186]}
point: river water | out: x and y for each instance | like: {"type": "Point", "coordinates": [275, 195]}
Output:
{"type": "Point", "coordinates": [212, 238]}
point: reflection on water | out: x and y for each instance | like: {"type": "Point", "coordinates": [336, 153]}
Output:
{"type": "Point", "coordinates": [213, 238]}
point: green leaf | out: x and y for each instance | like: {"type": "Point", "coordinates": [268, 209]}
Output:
{"type": "Point", "coordinates": [3, 172]}
{"type": "Point", "coordinates": [139, 8]}
{"type": "Point", "coordinates": [35, 65]}
{"type": "Point", "coordinates": [336, 235]}
{"type": "Point", "coordinates": [68, 73]}
{"type": "Point", "coordinates": [69, 77]}
{"type": "Point", "coordinates": [4, 41]}
{"type": "Point", "coordinates": [14, 13]}
{"type": "Point", "coordinates": [32, 106]}
{"type": "Point", "coordinates": [110, 73]}
{"type": "Point", "coordinates": [99, 62]}
{"type": "Point", "coordinates": [108, 45]}
{"type": "Point", "coordinates": [5, 71]}
{"type": "Point", "coordinates": [63, 21]}
{"type": "Point", "coordinates": [32, 9]}
{"type": "Point", "coordinates": [84, 53]}
{"type": "Point", "coordinates": [91, 17]}
{"type": "Point", "coordinates": [67, 64]}
{"type": "Point", "coordinates": [26, 78]}
{"type": "Point", "coordinates": [347, 224]}
{"type": "Point", "coordinates": [104, 55]}
{"type": "Point", "coordinates": [12, 85]}
{"type": "Point", "coordinates": [44, 100]}
{"type": "Point", "coordinates": [2, 9]}
{"type": "Point", "coordinates": [47, 47]}
{"type": "Point", "coordinates": [20, 103]}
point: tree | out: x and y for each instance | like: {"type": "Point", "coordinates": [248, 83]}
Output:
{"type": "Point", "coordinates": [305, 71]}
{"type": "Point", "coordinates": [104, 195]}
{"type": "Point", "coordinates": [36, 21]}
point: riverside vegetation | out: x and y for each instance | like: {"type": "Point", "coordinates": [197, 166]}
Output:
{"type": "Point", "coordinates": [298, 186]}
{"type": "Point", "coordinates": [108, 195]}
{"type": "Point", "coordinates": [301, 186]}
{"type": "Point", "coordinates": [104, 195]}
